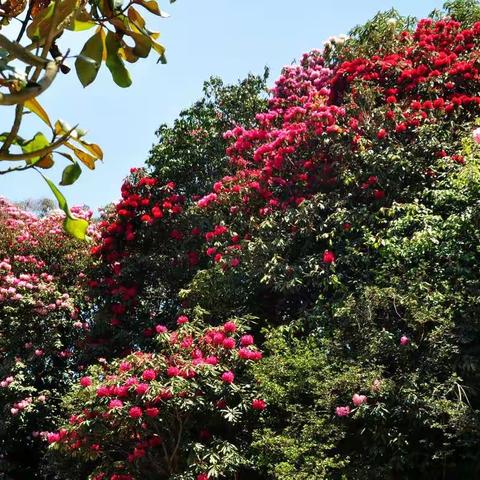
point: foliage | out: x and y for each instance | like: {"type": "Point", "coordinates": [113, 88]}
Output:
{"type": "Point", "coordinates": [41, 295]}
{"type": "Point", "coordinates": [191, 153]}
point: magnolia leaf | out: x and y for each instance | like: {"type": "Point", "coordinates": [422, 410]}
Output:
{"type": "Point", "coordinates": [93, 148]}
{"type": "Point", "coordinates": [70, 174]}
{"type": "Point", "coordinates": [143, 45]}
{"type": "Point", "coordinates": [115, 64]}
{"type": "Point", "coordinates": [150, 5]}
{"type": "Point", "coordinates": [38, 142]}
{"type": "Point", "coordinates": [82, 21]}
{"type": "Point", "coordinates": [38, 110]}
{"type": "Point", "coordinates": [76, 227]}
{"type": "Point", "coordinates": [84, 157]}
{"type": "Point", "coordinates": [88, 62]}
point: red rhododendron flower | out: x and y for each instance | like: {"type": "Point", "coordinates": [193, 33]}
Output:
{"type": "Point", "coordinates": [258, 404]}
{"type": "Point", "coordinates": [149, 375]}
{"type": "Point", "coordinates": [135, 412]}
{"type": "Point", "coordinates": [328, 256]}
{"type": "Point", "coordinates": [228, 377]}
{"type": "Point", "coordinates": [85, 381]}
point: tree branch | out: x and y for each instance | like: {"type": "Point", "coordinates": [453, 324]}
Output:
{"type": "Point", "coordinates": [15, 128]}
{"type": "Point", "coordinates": [22, 53]}
{"type": "Point", "coordinates": [33, 91]}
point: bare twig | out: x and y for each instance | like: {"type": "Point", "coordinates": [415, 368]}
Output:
{"type": "Point", "coordinates": [16, 169]}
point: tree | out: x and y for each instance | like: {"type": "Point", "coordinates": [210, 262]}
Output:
{"type": "Point", "coordinates": [39, 47]}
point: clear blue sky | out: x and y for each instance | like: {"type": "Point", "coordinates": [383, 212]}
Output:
{"type": "Point", "coordinates": [228, 38]}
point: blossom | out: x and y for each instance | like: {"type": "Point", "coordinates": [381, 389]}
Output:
{"type": "Point", "coordinates": [228, 377]}
{"type": "Point", "coordinates": [115, 403]}
{"type": "Point", "coordinates": [359, 399]}
{"type": "Point", "coordinates": [135, 412]}
{"type": "Point", "coordinates": [328, 256]}
{"type": "Point", "coordinates": [85, 381]}
{"type": "Point", "coordinates": [259, 404]}
{"type": "Point", "coordinates": [476, 135]}
{"type": "Point", "coordinates": [404, 340]}
{"type": "Point", "coordinates": [173, 371]}
{"type": "Point", "coordinates": [151, 412]}
{"type": "Point", "coordinates": [246, 340]}
{"type": "Point", "coordinates": [228, 343]}
{"type": "Point", "coordinates": [182, 319]}
{"type": "Point", "coordinates": [342, 411]}
{"type": "Point", "coordinates": [229, 327]}
{"type": "Point", "coordinates": [149, 375]}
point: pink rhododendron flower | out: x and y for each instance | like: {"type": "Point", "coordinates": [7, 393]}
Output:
{"type": "Point", "coordinates": [228, 377]}
{"type": "Point", "coordinates": [404, 340]}
{"type": "Point", "coordinates": [359, 399]}
{"type": "Point", "coordinates": [342, 411]}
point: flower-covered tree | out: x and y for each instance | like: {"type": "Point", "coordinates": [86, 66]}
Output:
{"type": "Point", "coordinates": [41, 295]}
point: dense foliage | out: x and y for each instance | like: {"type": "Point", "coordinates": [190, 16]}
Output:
{"type": "Point", "coordinates": [340, 227]}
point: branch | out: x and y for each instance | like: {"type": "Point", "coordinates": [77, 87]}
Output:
{"type": "Point", "coordinates": [33, 91]}
{"type": "Point", "coordinates": [22, 53]}
{"type": "Point", "coordinates": [16, 169]}
{"type": "Point", "coordinates": [15, 128]}
{"type": "Point", "coordinates": [37, 153]}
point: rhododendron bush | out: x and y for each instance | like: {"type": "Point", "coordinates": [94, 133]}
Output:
{"type": "Point", "coordinates": [41, 294]}
{"type": "Point", "coordinates": [166, 415]}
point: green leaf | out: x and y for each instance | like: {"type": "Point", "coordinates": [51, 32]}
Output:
{"type": "Point", "coordinates": [70, 174]}
{"type": "Point", "coordinates": [76, 227]}
{"type": "Point", "coordinates": [38, 142]}
{"type": "Point", "coordinates": [88, 62]}
{"type": "Point", "coordinates": [114, 63]}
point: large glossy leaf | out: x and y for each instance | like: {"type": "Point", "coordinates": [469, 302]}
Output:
{"type": "Point", "coordinates": [88, 63]}
{"type": "Point", "coordinates": [70, 174]}
{"type": "Point", "coordinates": [114, 63]}
{"type": "Point", "coordinates": [76, 227]}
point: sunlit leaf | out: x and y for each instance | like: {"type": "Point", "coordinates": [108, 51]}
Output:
{"type": "Point", "coordinates": [37, 109]}
{"type": "Point", "coordinates": [76, 227]}
{"type": "Point", "coordinates": [120, 74]}
{"type": "Point", "coordinates": [84, 157]}
{"type": "Point", "coordinates": [45, 162]}
{"type": "Point", "coordinates": [87, 70]}
{"type": "Point", "coordinates": [151, 6]}
{"type": "Point", "coordinates": [41, 24]}
{"type": "Point", "coordinates": [38, 142]}
{"type": "Point", "coordinates": [70, 174]}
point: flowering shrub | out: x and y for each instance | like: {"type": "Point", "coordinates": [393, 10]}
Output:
{"type": "Point", "coordinates": [178, 413]}
{"type": "Point", "coordinates": [41, 293]}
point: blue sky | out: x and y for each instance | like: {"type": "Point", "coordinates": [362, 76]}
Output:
{"type": "Point", "coordinates": [228, 38]}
